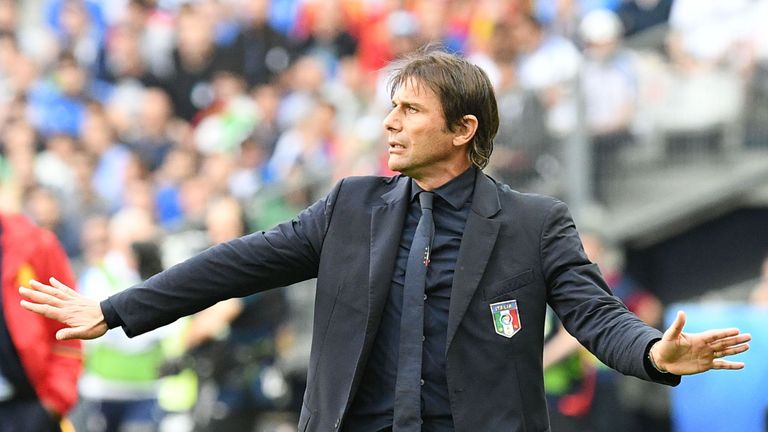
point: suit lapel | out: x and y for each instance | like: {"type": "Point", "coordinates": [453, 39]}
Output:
{"type": "Point", "coordinates": [387, 223]}
{"type": "Point", "coordinates": [476, 246]}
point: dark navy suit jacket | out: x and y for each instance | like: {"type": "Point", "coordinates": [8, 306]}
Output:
{"type": "Point", "coordinates": [515, 247]}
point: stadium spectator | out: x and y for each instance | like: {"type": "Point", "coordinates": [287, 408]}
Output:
{"type": "Point", "coordinates": [196, 58]}
{"type": "Point", "coordinates": [54, 165]}
{"type": "Point", "coordinates": [46, 209]}
{"type": "Point", "coordinates": [523, 144]}
{"type": "Point", "coordinates": [229, 119]}
{"type": "Point", "coordinates": [328, 39]}
{"type": "Point", "coordinates": [38, 373]}
{"type": "Point", "coordinates": [58, 102]}
{"type": "Point", "coordinates": [153, 133]}
{"type": "Point", "coordinates": [306, 149]}
{"type": "Point", "coordinates": [537, 51]}
{"type": "Point", "coordinates": [233, 345]}
{"type": "Point", "coordinates": [264, 52]}
{"type": "Point", "coordinates": [112, 158]}
{"type": "Point", "coordinates": [78, 27]}
{"type": "Point", "coordinates": [121, 380]}
{"type": "Point", "coordinates": [180, 165]}
{"type": "Point", "coordinates": [18, 159]}
{"type": "Point", "coordinates": [609, 80]}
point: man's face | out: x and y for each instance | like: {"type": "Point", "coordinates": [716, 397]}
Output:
{"type": "Point", "coordinates": [420, 144]}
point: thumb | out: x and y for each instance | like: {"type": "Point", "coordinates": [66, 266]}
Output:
{"type": "Point", "coordinates": [69, 333]}
{"type": "Point", "coordinates": [674, 331]}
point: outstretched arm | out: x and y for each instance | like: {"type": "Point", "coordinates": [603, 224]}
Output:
{"type": "Point", "coordinates": [691, 353]}
{"type": "Point", "coordinates": [81, 315]}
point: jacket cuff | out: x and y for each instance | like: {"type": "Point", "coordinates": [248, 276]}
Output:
{"type": "Point", "coordinates": [656, 375]}
{"type": "Point", "coordinates": [111, 316]}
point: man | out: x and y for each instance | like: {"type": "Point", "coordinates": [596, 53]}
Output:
{"type": "Point", "coordinates": [452, 364]}
{"type": "Point", "coordinates": [38, 374]}
{"type": "Point", "coordinates": [121, 380]}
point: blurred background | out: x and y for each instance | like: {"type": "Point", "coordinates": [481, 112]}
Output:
{"type": "Point", "coordinates": [142, 132]}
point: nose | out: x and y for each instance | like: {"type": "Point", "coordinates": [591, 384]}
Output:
{"type": "Point", "coordinates": [392, 121]}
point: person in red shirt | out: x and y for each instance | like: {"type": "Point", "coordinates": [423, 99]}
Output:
{"type": "Point", "coordinates": [38, 374]}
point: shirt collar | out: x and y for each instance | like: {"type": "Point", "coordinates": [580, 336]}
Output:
{"type": "Point", "coordinates": [456, 192]}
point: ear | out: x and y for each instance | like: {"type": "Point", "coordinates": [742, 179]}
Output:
{"type": "Point", "coordinates": [465, 130]}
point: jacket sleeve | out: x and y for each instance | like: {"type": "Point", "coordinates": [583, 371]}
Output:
{"type": "Point", "coordinates": [58, 388]}
{"type": "Point", "coordinates": [583, 301]}
{"type": "Point", "coordinates": [286, 254]}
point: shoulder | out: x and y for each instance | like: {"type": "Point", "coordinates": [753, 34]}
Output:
{"type": "Point", "coordinates": [530, 211]}
{"type": "Point", "coordinates": [368, 188]}
{"type": "Point", "coordinates": [19, 228]}
{"type": "Point", "coordinates": [513, 200]}
{"type": "Point", "coordinates": [372, 181]}
{"type": "Point", "coordinates": [28, 241]}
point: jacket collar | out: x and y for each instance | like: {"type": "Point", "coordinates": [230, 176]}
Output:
{"type": "Point", "coordinates": [485, 201]}
{"type": "Point", "coordinates": [400, 191]}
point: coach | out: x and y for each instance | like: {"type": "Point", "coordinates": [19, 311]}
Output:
{"type": "Point", "coordinates": [431, 286]}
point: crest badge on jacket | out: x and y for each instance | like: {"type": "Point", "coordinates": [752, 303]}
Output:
{"type": "Point", "coordinates": [506, 318]}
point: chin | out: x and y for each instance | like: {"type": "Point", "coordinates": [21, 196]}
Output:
{"type": "Point", "coordinates": [395, 166]}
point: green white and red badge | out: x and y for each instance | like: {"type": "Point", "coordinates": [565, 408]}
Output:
{"type": "Point", "coordinates": [506, 318]}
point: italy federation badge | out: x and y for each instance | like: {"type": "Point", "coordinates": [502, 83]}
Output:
{"type": "Point", "coordinates": [506, 318]}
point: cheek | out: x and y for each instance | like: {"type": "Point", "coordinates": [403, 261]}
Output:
{"type": "Point", "coordinates": [416, 134]}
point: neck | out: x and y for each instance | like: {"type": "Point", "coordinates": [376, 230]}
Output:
{"type": "Point", "coordinates": [432, 183]}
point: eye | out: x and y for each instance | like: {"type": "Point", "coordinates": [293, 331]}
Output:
{"type": "Point", "coordinates": [411, 110]}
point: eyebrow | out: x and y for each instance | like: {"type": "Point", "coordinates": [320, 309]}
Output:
{"type": "Point", "coordinates": [408, 104]}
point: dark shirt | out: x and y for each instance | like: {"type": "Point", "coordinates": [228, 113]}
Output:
{"type": "Point", "coordinates": [372, 408]}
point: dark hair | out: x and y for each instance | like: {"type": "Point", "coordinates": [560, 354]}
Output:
{"type": "Point", "coordinates": [462, 87]}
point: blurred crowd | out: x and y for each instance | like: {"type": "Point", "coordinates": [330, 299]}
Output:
{"type": "Point", "coordinates": [164, 106]}
{"type": "Point", "coordinates": [141, 132]}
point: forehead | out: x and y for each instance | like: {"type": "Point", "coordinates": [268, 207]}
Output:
{"type": "Point", "coordinates": [413, 89]}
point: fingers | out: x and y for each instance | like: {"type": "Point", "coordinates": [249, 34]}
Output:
{"type": "Point", "coordinates": [43, 309]}
{"type": "Point", "coordinates": [63, 288]}
{"type": "Point", "coordinates": [727, 347]}
{"type": "Point", "coordinates": [733, 350]}
{"type": "Point", "coordinates": [730, 341]}
{"type": "Point", "coordinates": [50, 291]}
{"type": "Point", "coordinates": [39, 296]}
{"type": "Point", "coordinates": [674, 331]}
{"type": "Point", "coordinates": [713, 337]}
{"type": "Point", "coordinates": [42, 299]}
{"type": "Point", "coordinates": [728, 365]}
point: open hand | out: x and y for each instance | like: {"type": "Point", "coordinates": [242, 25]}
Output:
{"type": "Point", "coordinates": [81, 315]}
{"type": "Point", "coordinates": [691, 353]}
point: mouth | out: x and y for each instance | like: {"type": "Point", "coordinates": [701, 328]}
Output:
{"type": "Point", "coordinates": [395, 147]}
